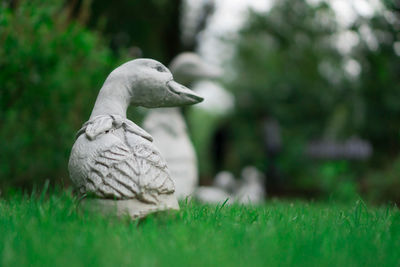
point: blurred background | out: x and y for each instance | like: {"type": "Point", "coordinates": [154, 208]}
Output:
{"type": "Point", "coordinates": [310, 92]}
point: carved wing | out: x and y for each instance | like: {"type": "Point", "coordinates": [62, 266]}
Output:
{"type": "Point", "coordinates": [122, 173]}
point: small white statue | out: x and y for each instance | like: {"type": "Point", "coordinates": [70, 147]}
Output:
{"type": "Point", "coordinates": [222, 190]}
{"type": "Point", "coordinates": [169, 130]}
{"type": "Point", "coordinates": [114, 160]}
{"type": "Point", "coordinates": [251, 189]}
{"type": "Point", "coordinates": [226, 181]}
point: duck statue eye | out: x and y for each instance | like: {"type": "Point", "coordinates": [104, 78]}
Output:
{"type": "Point", "coordinates": [160, 68]}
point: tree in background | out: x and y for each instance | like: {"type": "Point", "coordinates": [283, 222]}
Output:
{"type": "Point", "coordinates": [152, 27]}
{"type": "Point", "coordinates": [320, 80]}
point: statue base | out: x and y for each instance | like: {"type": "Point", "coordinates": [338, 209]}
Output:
{"type": "Point", "coordinates": [129, 207]}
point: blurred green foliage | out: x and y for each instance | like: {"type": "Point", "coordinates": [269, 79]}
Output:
{"type": "Point", "coordinates": [51, 71]}
{"type": "Point", "coordinates": [320, 80]}
{"type": "Point", "coordinates": [54, 57]}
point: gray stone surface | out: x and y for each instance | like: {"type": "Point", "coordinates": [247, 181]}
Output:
{"type": "Point", "coordinates": [129, 207]}
{"type": "Point", "coordinates": [116, 160]}
{"type": "Point", "coordinates": [169, 130]}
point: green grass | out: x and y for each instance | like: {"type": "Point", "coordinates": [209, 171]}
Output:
{"type": "Point", "coordinates": [38, 231]}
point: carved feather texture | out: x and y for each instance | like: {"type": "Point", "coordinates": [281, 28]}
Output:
{"type": "Point", "coordinates": [124, 170]}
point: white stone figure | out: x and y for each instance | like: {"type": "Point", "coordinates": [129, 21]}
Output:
{"type": "Point", "coordinates": [169, 130]}
{"type": "Point", "coordinates": [223, 187]}
{"type": "Point", "coordinates": [251, 190]}
{"type": "Point", "coordinates": [212, 195]}
{"type": "Point", "coordinates": [226, 181]}
{"type": "Point", "coordinates": [114, 162]}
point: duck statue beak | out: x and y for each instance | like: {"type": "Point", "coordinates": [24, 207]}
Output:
{"type": "Point", "coordinates": [182, 94]}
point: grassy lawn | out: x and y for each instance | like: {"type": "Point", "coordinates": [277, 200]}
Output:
{"type": "Point", "coordinates": [47, 231]}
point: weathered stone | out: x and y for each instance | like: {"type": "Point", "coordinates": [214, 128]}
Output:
{"type": "Point", "coordinates": [133, 208]}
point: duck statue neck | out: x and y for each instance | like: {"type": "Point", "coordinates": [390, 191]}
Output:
{"type": "Point", "coordinates": [114, 163]}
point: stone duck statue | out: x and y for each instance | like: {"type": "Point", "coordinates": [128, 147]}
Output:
{"type": "Point", "coordinates": [168, 126]}
{"type": "Point", "coordinates": [114, 164]}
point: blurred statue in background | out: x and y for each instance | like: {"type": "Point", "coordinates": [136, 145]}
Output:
{"type": "Point", "coordinates": [114, 163]}
{"type": "Point", "coordinates": [168, 126]}
{"type": "Point", "coordinates": [250, 189]}
{"type": "Point", "coordinates": [222, 190]}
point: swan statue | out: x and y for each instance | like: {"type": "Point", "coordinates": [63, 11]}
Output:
{"type": "Point", "coordinates": [114, 163]}
{"type": "Point", "coordinates": [168, 125]}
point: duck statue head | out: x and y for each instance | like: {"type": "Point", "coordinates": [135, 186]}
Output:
{"type": "Point", "coordinates": [114, 163]}
{"type": "Point", "coordinates": [141, 82]}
